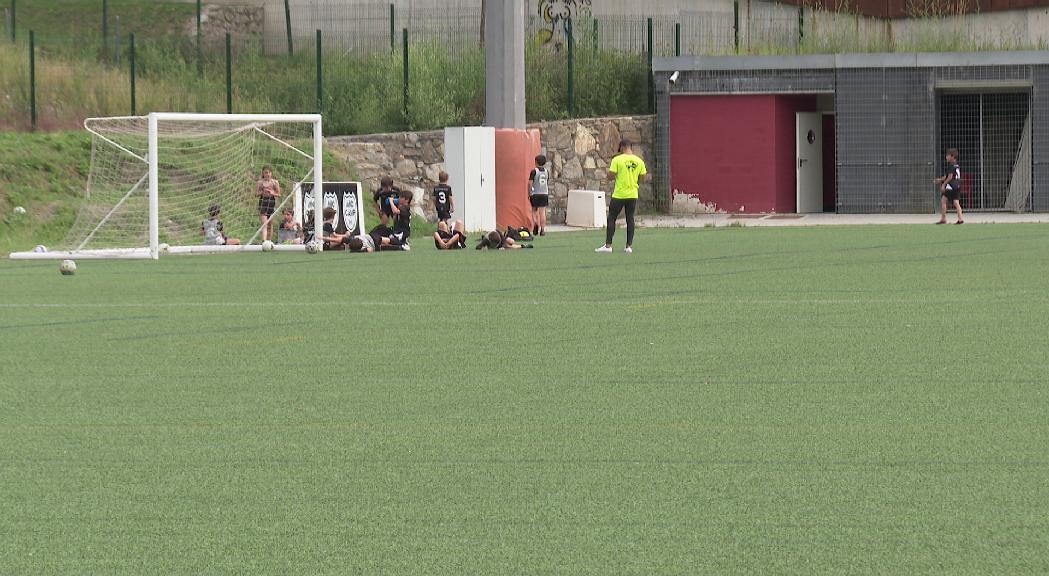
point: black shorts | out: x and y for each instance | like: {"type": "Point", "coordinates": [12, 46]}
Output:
{"type": "Point", "coordinates": [267, 205]}
{"type": "Point", "coordinates": [952, 194]}
{"type": "Point", "coordinates": [444, 214]}
{"type": "Point", "coordinates": [539, 200]}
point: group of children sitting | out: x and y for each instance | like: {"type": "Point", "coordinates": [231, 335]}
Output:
{"type": "Point", "coordinates": [393, 207]}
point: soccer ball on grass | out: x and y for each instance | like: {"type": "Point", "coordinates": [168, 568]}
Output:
{"type": "Point", "coordinates": [19, 210]}
{"type": "Point", "coordinates": [40, 248]}
{"type": "Point", "coordinates": [267, 246]}
{"type": "Point", "coordinates": [67, 267]}
{"type": "Point", "coordinates": [313, 247]}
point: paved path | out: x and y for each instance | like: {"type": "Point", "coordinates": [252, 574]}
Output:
{"type": "Point", "coordinates": [702, 220]}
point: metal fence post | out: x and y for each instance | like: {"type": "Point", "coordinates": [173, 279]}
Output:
{"type": "Point", "coordinates": [200, 49]}
{"type": "Point", "coordinates": [287, 25]}
{"type": "Point", "coordinates": [229, 73]}
{"type": "Point", "coordinates": [14, 6]}
{"type": "Point", "coordinates": [677, 39]}
{"type": "Point", "coordinates": [105, 29]}
{"type": "Point", "coordinates": [594, 32]}
{"type": "Point", "coordinates": [404, 50]}
{"type": "Point", "coordinates": [32, 79]}
{"type": "Point", "coordinates": [735, 25]}
{"type": "Point", "coordinates": [651, 83]}
{"type": "Point", "coordinates": [131, 60]}
{"type": "Point", "coordinates": [116, 42]}
{"type": "Point", "coordinates": [801, 24]}
{"type": "Point", "coordinates": [320, 75]}
{"type": "Point", "coordinates": [570, 29]}
{"type": "Point", "coordinates": [393, 28]}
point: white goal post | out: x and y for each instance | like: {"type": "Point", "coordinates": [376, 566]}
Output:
{"type": "Point", "coordinates": [156, 179]}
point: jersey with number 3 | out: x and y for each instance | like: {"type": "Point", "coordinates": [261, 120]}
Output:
{"type": "Point", "coordinates": [442, 198]}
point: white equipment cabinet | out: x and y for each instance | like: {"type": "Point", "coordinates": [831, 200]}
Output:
{"type": "Point", "coordinates": [469, 158]}
{"type": "Point", "coordinates": [586, 209]}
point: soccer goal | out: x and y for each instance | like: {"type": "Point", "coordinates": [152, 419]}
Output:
{"type": "Point", "coordinates": [155, 179]}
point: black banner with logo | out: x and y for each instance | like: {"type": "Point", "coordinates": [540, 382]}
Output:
{"type": "Point", "coordinates": [345, 197]}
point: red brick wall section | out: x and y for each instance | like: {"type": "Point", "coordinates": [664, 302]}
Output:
{"type": "Point", "coordinates": [736, 153]}
{"type": "Point", "coordinates": [722, 149]}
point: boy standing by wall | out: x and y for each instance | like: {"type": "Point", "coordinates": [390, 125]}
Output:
{"type": "Point", "coordinates": [386, 199]}
{"type": "Point", "coordinates": [539, 195]}
{"type": "Point", "coordinates": [443, 203]}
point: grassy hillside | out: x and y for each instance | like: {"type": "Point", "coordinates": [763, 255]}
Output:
{"type": "Point", "coordinates": [46, 174]}
{"type": "Point", "coordinates": [51, 19]}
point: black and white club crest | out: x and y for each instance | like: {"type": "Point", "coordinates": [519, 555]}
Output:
{"type": "Point", "coordinates": [331, 200]}
{"type": "Point", "coordinates": [349, 210]}
{"type": "Point", "coordinates": [307, 204]}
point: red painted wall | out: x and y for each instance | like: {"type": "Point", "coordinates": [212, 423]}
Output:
{"type": "Point", "coordinates": [736, 152]}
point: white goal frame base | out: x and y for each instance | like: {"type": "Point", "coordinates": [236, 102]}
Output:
{"type": "Point", "coordinates": [145, 254]}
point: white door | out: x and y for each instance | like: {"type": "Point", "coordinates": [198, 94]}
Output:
{"type": "Point", "coordinates": [809, 162]}
{"type": "Point", "coordinates": [469, 156]}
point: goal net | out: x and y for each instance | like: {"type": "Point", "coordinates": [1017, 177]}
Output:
{"type": "Point", "coordinates": [155, 180]}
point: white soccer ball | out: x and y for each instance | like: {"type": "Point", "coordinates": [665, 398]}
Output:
{"type": "Point", "coordinates": [40, 248]}
{"type": "Point", "coordinates": [19, 210]}
{"type": "Point", "coordinates": [313, 247]}
{"type": "Point", "coordinates": [267, 246]}
{"type": "Point", "coordinates": [67, 267]}
{"type": "Point", "coordinates": [163, 247]}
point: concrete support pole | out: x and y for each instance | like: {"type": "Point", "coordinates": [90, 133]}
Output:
{"type": "Point", "coordinates": [504, 63]}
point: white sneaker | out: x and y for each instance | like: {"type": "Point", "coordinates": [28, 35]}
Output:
{"type": "Point", "coordinates": [607, 249]}
{"type": "Point", "coordinates": [628, 250]}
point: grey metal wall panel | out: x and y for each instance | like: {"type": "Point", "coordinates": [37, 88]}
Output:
{"type": "Point", "coordinates": [755, 82]}
{"type": "Point", "coordinates": [1040, 139]}
{"type": "Point", "coordinates": [884, 125]}
{"type": "Point", "coordinates": [661, 171]}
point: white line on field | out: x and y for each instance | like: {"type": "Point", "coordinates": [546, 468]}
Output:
{"type": "Point", "coordinates": [490, 302]}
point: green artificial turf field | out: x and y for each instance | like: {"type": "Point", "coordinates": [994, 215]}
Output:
{"type": "Point", "coordinates": [802, 400]}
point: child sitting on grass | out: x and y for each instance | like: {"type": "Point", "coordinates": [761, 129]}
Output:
{"type": "Point", "coordinates": [290, 231]}
{"type": "Point", "coordinates": [212, 230]}
{"type": "Point", "coordinates": [449, 239]}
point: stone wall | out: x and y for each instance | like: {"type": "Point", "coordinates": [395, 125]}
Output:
{"type": "Point", "coordinates": [244, 21]}
{"type": "Point", "coordinates": [578, 152]}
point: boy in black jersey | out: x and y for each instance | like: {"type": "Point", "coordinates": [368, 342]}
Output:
{"type": "Point", "coordinates": [386, 200]}
{"type": "Point", "coordinates": [494, 240]}
{"type": "Point", "coordinates": [443, 203]}
{"type": "Point", "coordinates": [384, 238]}
{"type": "Point", "coordinates": [332, 239]}
{"type": "Point", "coordinates": [446, 238]}
{"type": "Point", "coordinates": [402, 217]}
{"type": "Point", "coordinates": [951, 188]}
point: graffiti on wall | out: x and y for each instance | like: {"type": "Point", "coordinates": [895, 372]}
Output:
{"type": "Point", "coordinates": [556, 14]}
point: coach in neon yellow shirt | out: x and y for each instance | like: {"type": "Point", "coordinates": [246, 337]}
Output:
{"type": "Point", "coordinates": [626, 169]}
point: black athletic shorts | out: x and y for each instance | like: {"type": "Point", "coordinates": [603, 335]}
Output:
{"type": "Point", "coordinates": [267, 205]}
{"type": "Point", "coordinates": [539, 200]}
{"type": "Point", "coordinates": [444, 215]}
{"type": "Point", "coordinates": [951, 194]}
